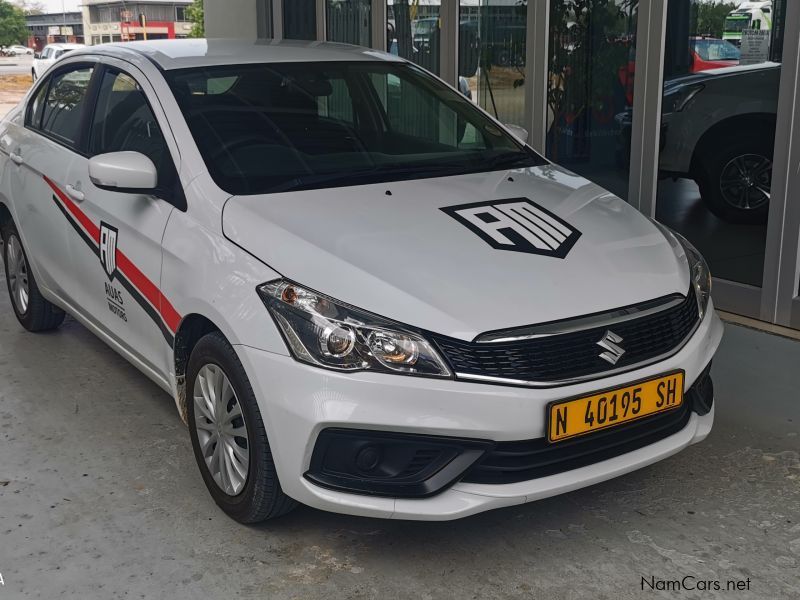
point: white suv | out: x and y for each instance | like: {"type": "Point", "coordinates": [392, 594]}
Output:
{"type": "Point", "coordinates": [363, 293]}
{"type": "Point", "coordinates": [49, 55]}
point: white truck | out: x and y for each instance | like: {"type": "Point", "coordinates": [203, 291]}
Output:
{"type": "Point", "coordinates": [749, 15]}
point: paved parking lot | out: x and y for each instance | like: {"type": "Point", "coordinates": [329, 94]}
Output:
{"type": "Point", "coordinates": [100, 498]}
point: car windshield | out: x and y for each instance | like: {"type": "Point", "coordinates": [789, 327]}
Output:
{"type": "Point", "coordinates": [280, 127]}
{"type": "Point", "coordinates": [737, 23]}
{"type": "Point", "coordinates": [716, 50]}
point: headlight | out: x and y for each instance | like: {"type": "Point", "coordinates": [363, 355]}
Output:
{"type": "Point", "coordinates": [677, 98]}
{"type": "Point", "coordinates": [324, 332]}
{"type": "Point", "coordinates": [699, 273]}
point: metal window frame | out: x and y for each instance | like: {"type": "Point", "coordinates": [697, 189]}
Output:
{"type": "Point", "coordinates": [264, 22]}
{"type": "Point", "coordinates": [651, 29]}
{"type": "Point", "coordinates": [449, 19]}
{"type": "Point", "coordinates": [379, 13]}
{"type": "Point", "coordinates": [277, 19]}
{"type": "Point", "coordinates": [322, 20]}
{"type": "Point", "coordinates": [537, 61]}
{"type": "Point", "coordinates": [780, 299]}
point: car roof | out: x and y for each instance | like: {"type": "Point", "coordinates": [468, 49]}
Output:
{"type": "Point", "coordinates": [64, 46]}
{"type": "Point", "coordinates": [188, 53]}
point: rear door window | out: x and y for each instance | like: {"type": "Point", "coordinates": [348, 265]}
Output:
{"type": "Point", "coordinates": [66, 100]}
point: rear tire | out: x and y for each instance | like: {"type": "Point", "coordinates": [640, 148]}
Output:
{"type": "Point", "coordinates": [228, 435]}
{"type": "Point", "coordinates": [33, 311]}
{"type": "Point", "coordinates": [734, 177]}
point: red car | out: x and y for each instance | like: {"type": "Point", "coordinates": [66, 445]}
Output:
{"type": "Point", "coordinates": [711, 53]}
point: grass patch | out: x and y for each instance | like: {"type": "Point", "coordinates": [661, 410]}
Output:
{"type": "Point", "coordinates": [15, 83]}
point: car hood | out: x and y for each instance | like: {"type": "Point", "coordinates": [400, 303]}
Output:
{"type": "Point", "coordinates": [738, 70]}
{"type": "Point", "coordinates": [391, 249]}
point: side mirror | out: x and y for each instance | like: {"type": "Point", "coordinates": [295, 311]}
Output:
{"type": "Point", "coordinates": [37, 55]}
{"type": "Point", "coordinates": [518, 132]}
{"type": "Point", "coordinates": [125, 172]}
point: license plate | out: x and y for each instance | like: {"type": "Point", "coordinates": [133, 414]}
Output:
{"type": "Point", "coordinates": [586, 414]}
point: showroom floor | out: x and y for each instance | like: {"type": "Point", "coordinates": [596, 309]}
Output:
{"type": "Point", "coordinates": [100, 498]}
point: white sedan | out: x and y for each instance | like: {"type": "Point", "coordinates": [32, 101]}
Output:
{"type": "Point", "coordinates": [18, 50]}
{"type": "Point", "coordinates": [363, 293]}
{"type": "Point", "coordinates": [48, 56]}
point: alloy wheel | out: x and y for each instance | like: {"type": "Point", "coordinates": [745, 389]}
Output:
{"type": "Point", "coordinates": [221, 429]}
{"type": "Point", "coordinates": [745, 181]}
{"type": "Point", "coordinates": [18, 281]}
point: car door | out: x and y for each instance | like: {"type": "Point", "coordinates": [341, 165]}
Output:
{"type": "Point", "coordinates": [118, 251]}
{"type": "Point", "coordinates": [42, 149]}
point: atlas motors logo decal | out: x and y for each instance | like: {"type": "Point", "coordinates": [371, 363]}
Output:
{"type": "Point", "coordinates": [108, 249]}
{"type": "Point", "coordinates": [517, 224]}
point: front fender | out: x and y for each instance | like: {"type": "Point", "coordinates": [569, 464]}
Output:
{"type": "Point", "coordinates": [204, 273]}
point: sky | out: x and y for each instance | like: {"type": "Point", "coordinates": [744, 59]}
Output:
{"type": "Point", "coordinates": [55, 5]}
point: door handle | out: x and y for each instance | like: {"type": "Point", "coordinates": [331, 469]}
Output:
{"type": "Point", "coordinates": [75, 193]}
{"type": "Point", "coordinates": [16, 158]}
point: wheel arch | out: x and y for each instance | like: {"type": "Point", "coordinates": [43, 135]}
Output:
{"type": "Point", "coordinates": [190, 331]}
{"type": "Point", "coordinates": [5, 215]}
{"type": "Point", "coordinates": [728, 127]}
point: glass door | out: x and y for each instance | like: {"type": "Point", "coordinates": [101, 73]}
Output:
{"type": "Point", "coordinates": [592, 49]}
{"type": "Point", "coordinates": [721, 78]}
{"type": "Point", "coordinates": [492, 70]}
{"type": "Point", "coordinates": [349, 21]}
{"type": "Point", "coordinates": [413, 31]}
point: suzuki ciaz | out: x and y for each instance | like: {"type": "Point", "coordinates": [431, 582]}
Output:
{"type": "Point", "coordinates": [364, 293]}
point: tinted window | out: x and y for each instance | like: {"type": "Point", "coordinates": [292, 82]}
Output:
{"type": "Point", "coordinates": [65, 102]}
{"type": "Point", "coordinates": [124, 122]}
{"type": "Point", "coordinates": [280, 127]}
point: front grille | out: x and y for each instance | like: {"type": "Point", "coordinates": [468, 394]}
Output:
{"type": "Point", "coordinates": [512, 462]}
{"type": "Point", "coordinates": [574, 355]}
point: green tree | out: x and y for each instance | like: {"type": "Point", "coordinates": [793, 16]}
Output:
{"type": "Point", "coordinates": [31, 7]}
{"type": "Point", "coordinates": [709, 17]}
{"type": "Point", "coordinates": [196, 15]}
{"type": "Point", "coordinates": [12, 25]}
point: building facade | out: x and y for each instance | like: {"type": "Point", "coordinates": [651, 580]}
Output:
{"type": "Point", "coordinates": [623, 92]}
{"type": "Point", "coordinates": [122, 21]}
{"type": "Point", "coordinates": [54, 28]}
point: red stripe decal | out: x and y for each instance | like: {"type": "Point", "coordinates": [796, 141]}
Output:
{"type": "Point", "coordinates": [147, 288]}
{"type": "Point", "coordinates": [85, 222]}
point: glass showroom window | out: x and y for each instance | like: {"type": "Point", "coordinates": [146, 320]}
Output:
{"type": "Point", "coordinates": [349, 21]}
{"type": "Point", "coordinates": [413, 31]}
{"type": "Point", "coordinates": [299, 20]}
{"type": "Point", "coordinates": [718, 131]}
{"type": "Point", "coordinates": [590, 88]}
{"type": "Point", "coordinates": [492, 56]}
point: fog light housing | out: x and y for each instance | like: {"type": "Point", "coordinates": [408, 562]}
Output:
{"type": "Point", "coordinates": [398, 465]}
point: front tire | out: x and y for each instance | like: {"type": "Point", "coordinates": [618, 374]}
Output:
{"type": "Point", "coordinates": [228, 435]}
{"type": "Point", "coordinates": [33, 311]}
{"type": "Point", "coordinates": [735, 177]}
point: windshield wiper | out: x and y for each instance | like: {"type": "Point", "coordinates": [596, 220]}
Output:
{"type": "Point", "coordinates": [508, 160]}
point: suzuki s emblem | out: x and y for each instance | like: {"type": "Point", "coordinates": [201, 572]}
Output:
{"type": "Point", "coordinates": [108, 249]}
{"type": "Point", "coordinates": [609, 343]}
{"type": "Point", "coordinates": [517, 224]}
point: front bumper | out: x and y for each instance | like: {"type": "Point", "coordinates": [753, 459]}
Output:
{"type": "Point", "coordinates": [297, 402]}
